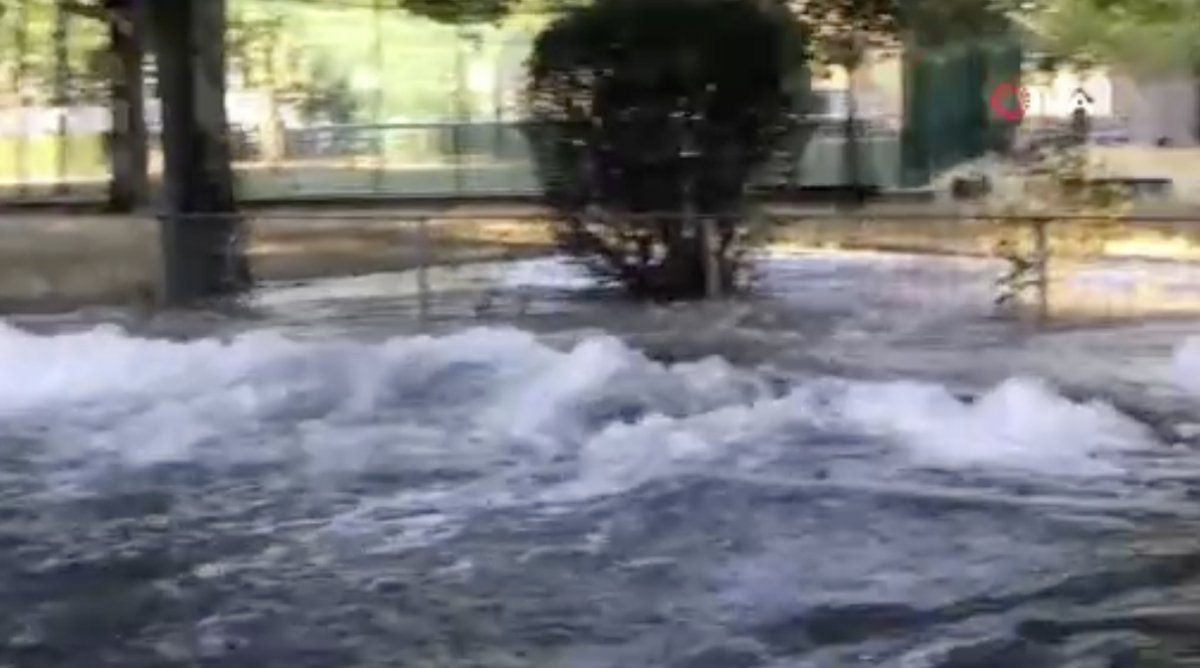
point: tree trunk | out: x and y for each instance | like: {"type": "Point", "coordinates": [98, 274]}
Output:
{"type": "Point", "coordinates": [129, 186]}
{"type": "Point", "coordinates": [684, 270]}
{"type": "Point", "coordinates": [201, 230]}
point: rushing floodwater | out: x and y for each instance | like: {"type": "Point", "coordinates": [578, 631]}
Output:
{"type": "Point", "coordinates": [832, 474]}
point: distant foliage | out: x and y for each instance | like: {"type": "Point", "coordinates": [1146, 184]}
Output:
{"type": "Point", "coordinates": [265, 47]}
{"type": "Point", "coordinates": [645, 109]}
{"type": "Point", "coordinates": [328, 97]}
{"type": "Point", "coordinates": [934, 23]}
{"type": "Point", "coordinates": [1151, 38]}
{"type": "Point", "coordinates": [33, 22]}
{"type": "Point", "coordinates": [840, 28]}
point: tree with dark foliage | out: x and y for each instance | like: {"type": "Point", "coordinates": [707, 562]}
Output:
{"type": "Point", "coordinates": [459, 11]}
{"type": "Point", "coordinates": [842, 27]}
{"type": "Point", "coordinates": [649, 115]}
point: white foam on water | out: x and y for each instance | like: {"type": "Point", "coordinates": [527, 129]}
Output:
{"type": "Point", "coordinates": [505, 401]}
{"type": "Point", "coordinates": [557, 273]}
{"type": "Point", "coordinates": [330, 290]}
{"type": "Point", "coordinates": [1185, 367]}
{"type": "Point", "coordinates": [552, 272]}
{"type": "Point", "coordinates": [1020, 423]}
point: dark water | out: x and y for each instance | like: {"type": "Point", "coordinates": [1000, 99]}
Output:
{"type": "Point", "coordinates": [863, 466]}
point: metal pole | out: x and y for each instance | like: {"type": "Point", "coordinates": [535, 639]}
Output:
{"type": "Point", "coordinates": [377, 111]}
{"type": "Point", "coordinates": [712, 258]}
{"type": "Point", "coordinates": [705, 227]}
{"type": "Point", "coordinates": [456, 129]}
{"type": "Point", "coordinates": [462, 112]}
{"type": "Point", "coordinates": [62, 99]}
{"type": "Point", "coordinates": [497, 92]}
{"type": "Point", "coordinates": [21, 147]}
{"type": "Point", "coordinates": [793, 159]}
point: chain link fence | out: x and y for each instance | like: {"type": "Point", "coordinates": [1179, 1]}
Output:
{"type": "Point", "coordinates": [327, 99]}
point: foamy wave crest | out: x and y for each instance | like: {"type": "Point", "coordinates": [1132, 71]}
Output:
{"type": "Point", "coordinates": [599, 415]}
{"type": "Point", "coordinates": [1021, 424]}
{"type": "Point", "coordinates": [152, 398]}
{"type": "Point", "coordinates": [1186, 366]}
{"type": "Point", "coordinates": [1021, 421]}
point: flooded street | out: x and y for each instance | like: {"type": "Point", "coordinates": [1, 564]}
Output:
{"type": "Point", "coordinates": [861, 465]}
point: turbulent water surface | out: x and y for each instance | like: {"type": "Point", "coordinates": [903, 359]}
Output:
{"type": "Point", "coordinates": [861, 466]}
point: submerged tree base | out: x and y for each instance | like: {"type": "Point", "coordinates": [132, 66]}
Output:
{"type": "Point", "coordinates": [653, 261]}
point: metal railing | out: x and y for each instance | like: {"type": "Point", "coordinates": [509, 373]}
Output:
{"type": "Point", "coordinates": [451, 263]}
{"type": "Point", "coordinates": [1041, 267]}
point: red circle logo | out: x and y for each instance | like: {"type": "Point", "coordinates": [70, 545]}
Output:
{"type": "Point", "coordinates": [1009, 102]}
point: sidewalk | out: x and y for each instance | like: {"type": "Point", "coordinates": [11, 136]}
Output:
{"type": "Point", "coordinates": [52, 261]}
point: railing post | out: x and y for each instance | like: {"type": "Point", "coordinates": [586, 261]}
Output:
{"type": "Point", "coordinates": [1041, 261]}
{"type": "Point", "coordinates": [423, 267]}
{"type": "Point", "coordinates": [460, 180]}
{"type": "Point", "coordinates": [712, 258]}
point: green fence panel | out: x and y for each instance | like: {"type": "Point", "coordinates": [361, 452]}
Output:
{"type": "Point", "coordinates": [947, 118]}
